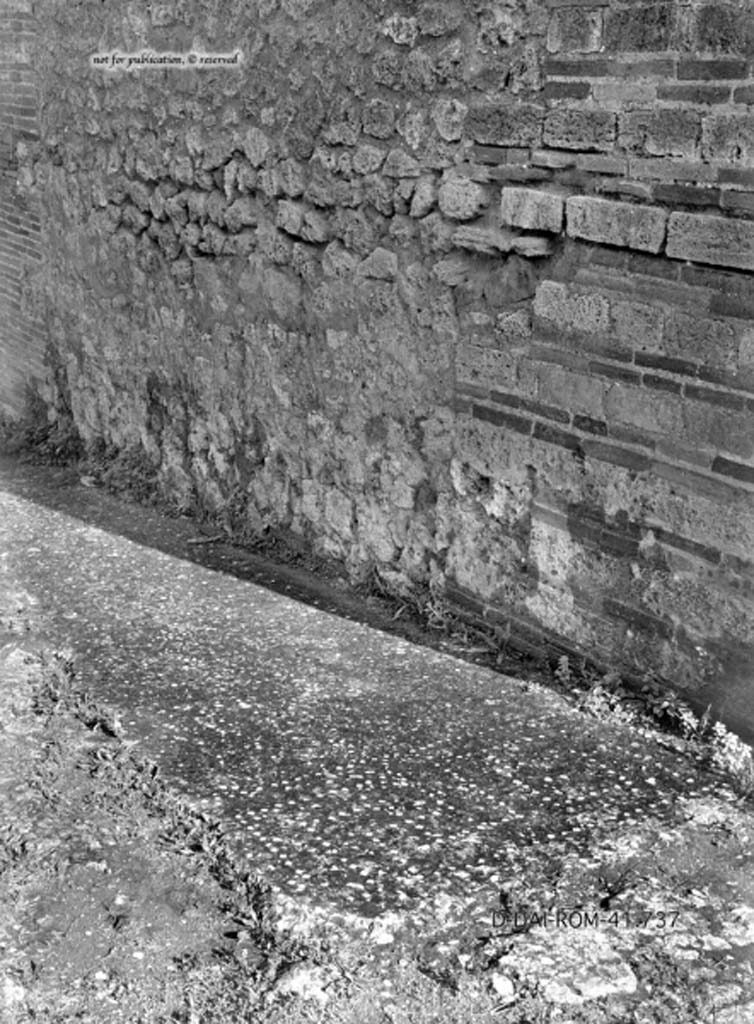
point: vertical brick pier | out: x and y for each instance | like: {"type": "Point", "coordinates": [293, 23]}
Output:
{"type": "Point", "coordinates": [21, 338]}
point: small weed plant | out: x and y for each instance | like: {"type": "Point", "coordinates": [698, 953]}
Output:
{"type": "Point", "coordinates": [734, 757]}
{"type": "Point", "coordinates": [608, 699]}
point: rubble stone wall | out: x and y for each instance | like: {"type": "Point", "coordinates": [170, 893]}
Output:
{"type": "Point", "coordinates": [457, 291]}
{"type": "Point", "coordinates": [21, 335]}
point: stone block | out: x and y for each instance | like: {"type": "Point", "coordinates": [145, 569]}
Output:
{"type": "Point", "coordinates": [637, 325]}
{"type": "Point", "coordinates": [576, 128]}
{"type": "Point", "coordinates": [669, 132]}
{"type": "Point", "coordinates": [722, 29]}
{"type": "Point", "coordinates": [728, 137]}
{"type": "Point", "coordinates": [461, 199]}
{"type": "Point", "coordinates": [532, 209]}
{"type": "Point", "coordinates": [614, 223]}
{"type": "Point", "coordinates": [691, 336]}
{"type": "Point", "coordinates": [575, 391]}
{"type": "Point", "coordinates": [710, 70]}
{"type": "Point", "coordinates": [505, 124]}
{"type": "Point", "coordinates": [555, 308]}
{"type": "Point", "coordinates": [649, 411]}
{"type": "Point", "coordinates": [639, 27]}
{"type": "Point", "coordinates": [704, 238]}
{"type": "Point", "coordinates": [574, 31]}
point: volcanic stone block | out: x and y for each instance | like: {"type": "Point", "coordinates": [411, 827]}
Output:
{"type": "Point", "coordinates": [461, 199]}
{"type": "Point", "coordinates": [532, 209]}
{"type": "Point", "coordinates": [729, 138]}
{"type": "Point", "coordinates": [505, 124]}
{"type": "Point", "coordinates": [623, 224]}
{"type": "Point", "coordinates": [708, 239]}
{"type": "Point", "coordinates": [558, 309]}
{"type": "Point", "coordinates": [640, 27]}
{"type": "Point", "coordinates": [575, 128]}
{"type": "Point", "coordinates": [574, 31]}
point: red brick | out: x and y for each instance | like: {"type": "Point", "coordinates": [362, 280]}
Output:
{"type": "Point", "coordinates": [564, 68]}
{"type": "Point", "coordinates": [649, 380]}
{"type": "Point", "coordinates": [574, 179]}
{"type": "Point", "coordinates": [578, 3]}
{"type": "Point", "coordinates": [663, 362]}
{"type": "Point", "coordinates": [620, 373]}
{"type": "Point", "coordinates": [736, 470]}
{"type": "Point", "coordinates": [566, 91]}
{"type": "Point", "coordinates": [642, 620]}
{"type": "Point", "coordinates": [721, 398]}
{"type": "Point", "coordinates": [691, 547]}
{"type": "Point", "coordinates": [728, 282]}
{"type": "Point", "coordinates": [652, 266]}
{"type": "Point", "coordinates": [738, 381]}
{"type": "Point", "coordinates": [499, 154]}
{"type": "Point", "coordinates": [736, 176]}
{"type": "Point", "coordinates": [590, 425]}
{"type": "Point", "coordinates": [701, 94]}
{"type": "Point", "coordinates": [528, 405]}
{"type": "Point", "coordinates": [732, 305]}
{"type": "Point", "coordinates": [502, 419]}
{"type": "Point", "coordinates": [636, 461]}
{"type": "Point", "coordinates": [739, 202]}
{"type": "Point", "coordinates": [686, 195]}
{"type": "Point", "coordinates": [649, 67]}
{"type": "Point", "coordinates": [464, 599]}
{"type": "Point", "coordinates": [624, 189]}
{"type": "Point", "coordinates": [553, 435]}
{"type": "Point", "coordinates": [522, 172]}
{"type": "Point", "coordinates": [708, 70]}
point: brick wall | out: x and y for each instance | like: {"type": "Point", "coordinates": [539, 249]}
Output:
{"type": "Point", "coordinates": [459, 294]}
{"type": "Point", "coordinates": [630, 379]}
{"type": "Point", "coordinates": [21, 337]}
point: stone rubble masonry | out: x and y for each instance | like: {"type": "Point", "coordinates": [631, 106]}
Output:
{"type": "Point", "coordinates": [375, 291]}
